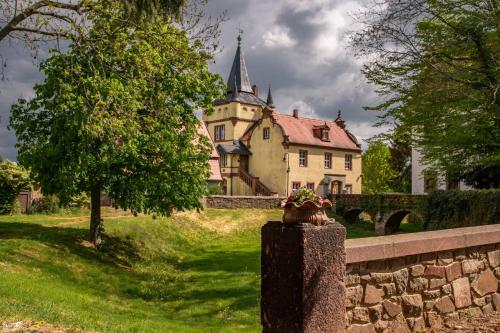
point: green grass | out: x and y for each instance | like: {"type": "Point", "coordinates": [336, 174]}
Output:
{"type": "Point", "coordinates": [193, 272]}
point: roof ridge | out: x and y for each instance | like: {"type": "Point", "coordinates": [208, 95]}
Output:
{"type": "Point", "coordinates": [307, 118]}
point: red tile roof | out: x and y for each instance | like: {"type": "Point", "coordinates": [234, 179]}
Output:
{"type": "Point", "coordinates": [300, 131]}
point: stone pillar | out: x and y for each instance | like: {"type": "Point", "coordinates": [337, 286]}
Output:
{"type": "Point", "coordinates": [303, 268]}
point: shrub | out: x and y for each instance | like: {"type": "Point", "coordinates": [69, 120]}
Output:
{"type": "Point", "coordinates": [49, 204]}
{"type": "Point", "coordinates": [13, 179]}
{"type": "Point", "coordinates": [453, 209]}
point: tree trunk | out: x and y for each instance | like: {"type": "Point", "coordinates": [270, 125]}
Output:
{"type": "Point", "coordinates": [95, 215]}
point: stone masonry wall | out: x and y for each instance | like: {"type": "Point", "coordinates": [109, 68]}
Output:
{"type": "Point", "coordinates": [408, 294]}
{"type": "Point", "coordinates": [233, 202]}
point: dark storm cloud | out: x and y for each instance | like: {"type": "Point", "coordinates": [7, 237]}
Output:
{"type": "Point", "coordinates": [297, 46]}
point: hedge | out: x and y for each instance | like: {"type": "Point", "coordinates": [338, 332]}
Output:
{"type": "Point", "coordinates": [454, 209]}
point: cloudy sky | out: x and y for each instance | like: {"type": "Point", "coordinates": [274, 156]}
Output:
{"type": "Point", "coordinates": [297, 46]}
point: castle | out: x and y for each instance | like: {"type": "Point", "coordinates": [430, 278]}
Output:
{"type": "Point", "coordinates": [263, 152]}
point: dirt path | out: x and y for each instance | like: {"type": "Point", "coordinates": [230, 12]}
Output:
{"type": "Point", "coordinates": [487, 324]}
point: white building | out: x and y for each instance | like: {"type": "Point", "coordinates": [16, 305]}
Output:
{"type": "Point", "coordinates": [423, 180]}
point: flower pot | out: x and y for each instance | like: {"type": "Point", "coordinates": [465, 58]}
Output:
{"type": "Point", "coordinates": [307, 212]}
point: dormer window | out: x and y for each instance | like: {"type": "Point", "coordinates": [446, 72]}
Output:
{"type": "Point", "coordinates": [324, 134]}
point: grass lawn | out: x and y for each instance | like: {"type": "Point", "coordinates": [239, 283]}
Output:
{"type": "Point", "coordinates": [193, 272]}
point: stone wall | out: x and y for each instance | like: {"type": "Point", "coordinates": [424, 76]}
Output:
{"type": "Point", "coordinates": [394, 284]}
{"type": "Point", "coordinates": [233, 202]}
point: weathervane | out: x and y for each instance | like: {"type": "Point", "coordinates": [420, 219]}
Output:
{"type": "Point", "coordinates": [240, 32]}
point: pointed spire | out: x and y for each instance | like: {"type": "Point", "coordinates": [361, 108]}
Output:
{"type": "Point", "coordinates": [238, 79]}
{"type": "Point", "coordinates": [340, 121]}
{"type": "Point", "coordinates": [270, 101]}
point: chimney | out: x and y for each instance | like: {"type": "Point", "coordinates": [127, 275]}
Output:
{"type": "Point", "coordinates": [255, 90]}
{"type": "Point", "coordinates": [296, 113]}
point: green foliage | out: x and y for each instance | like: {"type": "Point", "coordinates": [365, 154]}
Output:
{"type": "Point", "coordinates": [214, 189]}
{"type": "Point", "coordinates": [441, 82]}
{"type": "Point", "coordinates": [304, 194]}
{"type": "Point", "coordinates": [453, 209]}
{"type": "Point", "coordinates": [116, 114]}
{"type": "Point", "coordinates": [13, 179]}
{"type": "Point", "coordinates": [377, 171]}
{"type": "Point", "coordinates": [49, 204]}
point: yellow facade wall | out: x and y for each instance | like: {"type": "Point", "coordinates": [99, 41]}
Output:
{"type": "Point", "coordinates": [267, 159]}
{"type": "Point", "coordinates": [315, 171]}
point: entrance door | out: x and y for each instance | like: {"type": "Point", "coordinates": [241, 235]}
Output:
{"type": "Point", "coordinates": [244, 163]}
{"type": "Point", "coordinates": [336, 186]}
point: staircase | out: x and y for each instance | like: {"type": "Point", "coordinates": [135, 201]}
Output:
{"type": "Point", "coordinates": [255, 184]}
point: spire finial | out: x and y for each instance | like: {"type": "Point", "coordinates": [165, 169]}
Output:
{"type": "Point", "coordinates": [270, 101]}
{"type": "Point", "coordinates": [339, 114]}
{"type": "Point", "coordinates": [240, 32]}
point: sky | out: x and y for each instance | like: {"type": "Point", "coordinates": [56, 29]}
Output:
{"type": "Point", "coordinates": [299, 47]}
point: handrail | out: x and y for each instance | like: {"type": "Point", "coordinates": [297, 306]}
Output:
{"type": "Point", "coordinates": [257, 186]}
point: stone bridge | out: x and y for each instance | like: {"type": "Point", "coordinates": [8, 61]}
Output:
{"type": "Point", "coordinates": [386, 210]}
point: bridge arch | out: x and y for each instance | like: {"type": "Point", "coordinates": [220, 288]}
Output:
{"type": "Point", "coordinates": [351, 215]}
{"type": "Point", "coordinates": [393, 221]}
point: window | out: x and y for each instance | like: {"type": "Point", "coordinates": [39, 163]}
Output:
{"type": "Point", "coordinates": [303, 158]}
{"type": "Point", "coordinates": [265, 133]}
{"type": "Point", "coordinates": [219, 132]}
{"type": "Point", "coordinates": [348, 189]}
{"type": "Point", "coordinates": [348, 162]}
{"type": "Point", "coordinates": [310, 186]}
{"type": "Point", "coordinates": [295, 186]}
{"type": "Point", "coordinates": [223, 160]}
{"type": "Point", "coordinates": [324, 134]}
{"type": "Point", "coordinates": [328, 160]}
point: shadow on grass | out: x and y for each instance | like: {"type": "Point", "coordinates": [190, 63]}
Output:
{"type": "Point", "coordinates": [114, 251]}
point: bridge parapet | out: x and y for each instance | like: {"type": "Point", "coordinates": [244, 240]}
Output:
{"type": "Point", "coordinates": [386, 210]}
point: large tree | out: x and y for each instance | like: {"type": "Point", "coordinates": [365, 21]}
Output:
{"type": "Point", "coordinates": [378, 174]}
{"type": "Point", "coordinates": [115, 114]}
{"type": "Point", "coordinates": [437, 63]}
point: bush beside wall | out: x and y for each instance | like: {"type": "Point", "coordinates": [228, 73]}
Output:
{"type": "Point", "coordinates": [454, 209]}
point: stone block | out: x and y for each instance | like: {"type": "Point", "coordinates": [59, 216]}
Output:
{"type": "Point", "coordinates": [381, 325]}
{"type": "Point", "coordinates": [487, 309]}
{"type": "Point", "coordinates": [392, 308]}
{"type": "Point", "coordinates": [495, 300]}
{"type": "Point", "coordinates": [453, 271]}
{"type": "Point", "coordinates": [433, 320]}
{"type": "Point", "coordinates": [381, 277]}
{"type": "Point", "coordinates": [470, 313]}
{"type": "Point", "coordinates": [471, 266]}
{"type": "Point", "coordinates": [375, 312]}
{"type": "Point", "coordinates": [445, 258]}
{"type": "Point", "coordinates": [435, 283]}
{"type": "Point", "coordinates": [417, 324]}
{"type": "Point", "coordinates": [444, 305]}
{"type": "Point", "coordinates": [486, 283]}
{"type": "Point", "coordinates": [480, 301]}
{"type": "Point", "coordinates": [417, 270]}
{"type": "Point", "coordinates": [354, 295]}
{"type": "Point", "coordinates": [435, 271]}
{"type": "Point", "coordinates": [461, 292]}
{"type": "Point", "coordinates": [494, 258]}
{"type": "Point", "coordinates": [401, 280]}
{"type": "Point", "coordinates": [412, 305]}
{"type": "Point", "coordinates": [361, 314]}
{"type": "Point", "coordinates": [399, 325]}
{"type": "Point", "coordinates": [497, 272]}
{"type": "Point", "coordinates": [389, 288]}
{"type": "Point", "coordinates": [352, 279]}
{"type": "Point", "coordinates": [373, 295]}
{"type": "Point", "coordinates": [432, 294]}
{"type": "Point", "coordinates": [429, 305]}
{"type": "Point", "coordinates": [366, 328]}
{"type": "Point", "coordinates": [303, 278]}
{"type": "Point", "coordinates": [418, 284]}
{"type": "Point", "coordinates": [446, 289]}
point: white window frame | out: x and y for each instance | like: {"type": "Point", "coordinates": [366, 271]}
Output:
{"type": "Point", "coordinates": [303, 157]}
{"type": "Point", "coordinates": [328, 161]}
{"type": "Point", "coordinates": [348, 162]}
{"type": "Point", "coordinates": [219, 132]}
